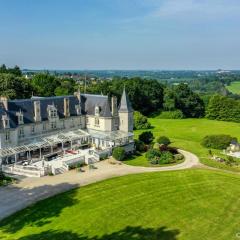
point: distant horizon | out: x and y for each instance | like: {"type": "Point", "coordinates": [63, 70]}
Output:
{"type": "Point", "coordinates": [152, 70]}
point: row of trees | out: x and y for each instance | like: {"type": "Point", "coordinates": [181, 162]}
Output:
{"type": "Point", "coordinates": [146, 96]}
{"type": "Point", "coordinates": [181, 97]}
{"type": "Point", "coordinates": [14, 85]}
{"type": "Point", "coordinates": [15, 70]}
{"type": "Point", "coordinates": [223, 108]}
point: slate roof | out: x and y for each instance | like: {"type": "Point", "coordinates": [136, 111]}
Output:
{"type": "Point", "coordinates": [125, 105]}
{"type": "Point", "coordinates": [88, 104]}
{"type": "Point", "coordinates": [90, 101]}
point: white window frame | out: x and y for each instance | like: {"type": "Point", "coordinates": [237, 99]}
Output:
{"type": "Point", "coordinates": [21, 132]}
{"type": "Point", "coordinates": [33, 129]}
{"type": "Point", "coordinates": [7, 136]}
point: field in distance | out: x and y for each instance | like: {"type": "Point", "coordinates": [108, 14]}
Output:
{"type": "Point", "coordinates": [234, 87]}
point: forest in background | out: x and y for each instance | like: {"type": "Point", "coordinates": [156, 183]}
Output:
{"type": "Point", "coordinates": [206, 95]}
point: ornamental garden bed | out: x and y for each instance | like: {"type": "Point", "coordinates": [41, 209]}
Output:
{"type": "Point", "coordinates": [154, 154]}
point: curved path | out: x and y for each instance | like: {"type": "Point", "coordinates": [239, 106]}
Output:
{"type": "Point", "coordinates": [30, 190]}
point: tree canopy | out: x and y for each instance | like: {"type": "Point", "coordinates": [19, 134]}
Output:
{"type": "Point", "coordinates": [183, 98]}
{"type": "Point", "coordinates": [223, 108]}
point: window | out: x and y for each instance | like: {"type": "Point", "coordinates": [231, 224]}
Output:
{"type": "Point", "coordinates": [97, 121]}
{"type": "Point", "coordinates": [21, 132]}
{"type": "Point", "coordinates": [116, 122]}
{"type": "Point", "coordinates": [53, 113]}
{"type": "Point", "coordinates": [7, 136]}
{"type": "Point", "coordinates": [78, 109]}
{"type": "Point", "coordinates": [44, 126]}
{"type": "Point", "coordinates": [7, 122]}
{"type": "Point", "coordinates": [80, 122]}
{"type": "Point", "coordinates": [20, 119]}
{"type": "Point", "coordinates": [72, 123]}
{"type": "Point", "coordinates": [53, 125]}
{"type": "Point", "coordinates": [33, 129]}
{"type": "Point", "coordinates": [97, 111]}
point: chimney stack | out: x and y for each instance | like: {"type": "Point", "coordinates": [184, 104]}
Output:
{"type": "Point", "coordinates": [66, 107]}
{"type": "Point", "coordinates": [114, 106]}
{"type": "Point", "coordinates": [37, 112]}
{"type": "Point", "coordinates": [5, 120]}
{"type": "Point", "coordinates": [4, 102]}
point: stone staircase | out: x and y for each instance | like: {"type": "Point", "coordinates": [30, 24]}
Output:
{"type": "Point", "coordinates": [59, 170]}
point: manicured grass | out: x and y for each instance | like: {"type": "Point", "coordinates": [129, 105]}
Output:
{"type": "Point", "coordinates": [190, 204]}
{"type": "Point", "coordinates": [234, 87]}
{"type": "Point", "coordinates": [188, 133]}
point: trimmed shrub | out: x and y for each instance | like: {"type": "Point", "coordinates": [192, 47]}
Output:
{"type": "Point", "coordinates": [177, 114]}
{"type": "Point", "coordinates": [140, 146]}
{"type": "Point", "coordinates": [153, 155]}
{"type": "Point", "coordinates": [220, 141]}
{"type": "Point", "coordinates": [156, 146]}
{"type": "Point", "coordinates": [118, 153]}
{"type": "Point", "coordinates": [140, 121]}
{"type": "Point", "coordinates": [157, 157]}
{"type": "Point", "coordinates": [163, 140]}
{"type": "Point", "coordinates": [178, 157]}
{"type": "Point", "coordinates": [166, 157]}
{"type": "Point", "coordinates": [146, 137]}
{"type": "Point", "coordinates": [165, 148]}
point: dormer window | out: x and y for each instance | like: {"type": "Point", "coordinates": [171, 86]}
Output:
{"type": "Point", "coordinates": [78, 109]}
{"type": "Point", "coordinates": [20, 117]}
{"type": "Point", "coordinates": [52, 112]}
{"type": "Point", "coordinates": [97, 110]}
{"type": "Point", "coordinates": [5, 120]}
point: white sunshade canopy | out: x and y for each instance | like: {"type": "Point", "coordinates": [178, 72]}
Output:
{"type": "Point", "coordinates": [43, 142]}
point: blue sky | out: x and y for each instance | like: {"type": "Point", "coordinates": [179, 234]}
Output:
{"type": "Point", "coordinates": [120, 34]}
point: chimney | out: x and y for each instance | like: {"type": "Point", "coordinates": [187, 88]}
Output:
{"type": "Point", "coordinates": [66, 107]}
{"type": "Point", "coordinates": [4, 102]}
{"type": "Point", "coordinates": [37, 112]}
{"type": "Point", "coordinates": [114, 106]}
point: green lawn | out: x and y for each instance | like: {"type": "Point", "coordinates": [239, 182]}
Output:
{"type": "Point", "coordinates": [187, 134]}
{"type": "Point", "coordinates": [190, 204]}
{"type": "Point", "coordinates": [234, 87]}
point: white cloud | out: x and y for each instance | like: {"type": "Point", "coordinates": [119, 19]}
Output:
{"type": "Point", "coordinates": [202, 8]}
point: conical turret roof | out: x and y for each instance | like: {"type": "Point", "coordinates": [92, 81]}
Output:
{"type": "Point", "coordinates": [125, 105]}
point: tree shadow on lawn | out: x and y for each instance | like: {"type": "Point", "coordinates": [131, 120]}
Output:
{"type": "Point", "coordinates": [128, 233]}
{"type": "Point", "coordinates": [41, 212]}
